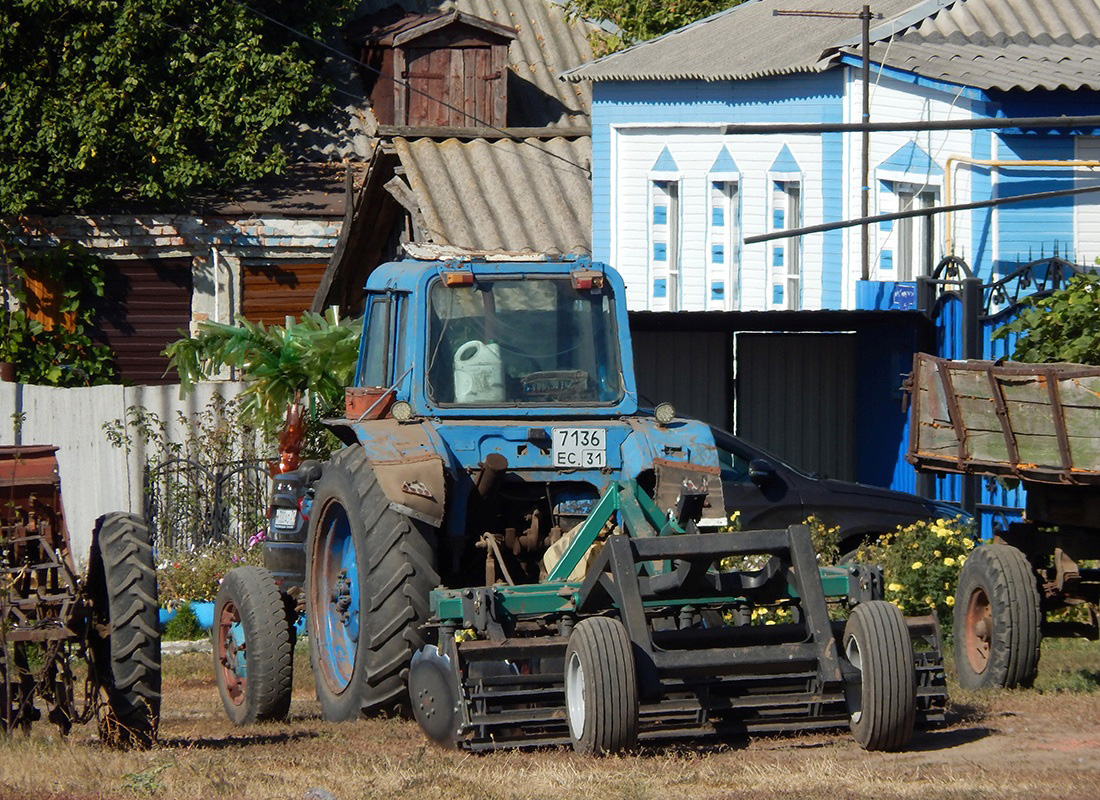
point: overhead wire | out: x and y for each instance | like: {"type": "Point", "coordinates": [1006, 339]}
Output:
{"type": "Point", "coordinates": [408, 85]}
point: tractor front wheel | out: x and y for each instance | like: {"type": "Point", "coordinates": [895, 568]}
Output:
{"type": "Point", "coordinates": [369, 577]}
{"type": "Point", "coordinates": [601, 687]}
{"type": "Point", "coordinates": [997, 620]}
{"type": "Point", "coordinates": [253, 647]}
{"type": "Point", "coordinates": [883, 709]}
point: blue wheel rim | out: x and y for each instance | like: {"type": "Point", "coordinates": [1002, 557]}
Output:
{"type": "Point", "coordinates": [335, 597]}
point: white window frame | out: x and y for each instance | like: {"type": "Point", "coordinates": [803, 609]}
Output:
{"type": "Point", "coordinates": [780, 197]}
{"type": "Point", "coordinates": [728, 236]}
{"type": "Point", "coordinates": [670, 268]}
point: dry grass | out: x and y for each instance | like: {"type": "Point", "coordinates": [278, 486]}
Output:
{"type": "Point", "coordinates": [1030, 744]}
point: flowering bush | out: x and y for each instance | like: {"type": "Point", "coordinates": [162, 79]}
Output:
{"type": "Point", "coordinates": [196, 576]}
{"type": "Point", "coordinates": [921, 564]}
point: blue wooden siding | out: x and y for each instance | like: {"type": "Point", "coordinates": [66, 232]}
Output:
{"type": "Point", "coordinates": [803, 98]}
{"type": "Point", "coordinates": [980, 256]}
{"type": "Point", "coordinates": [1037, 228]}
{"type": "Point", "coordinates": [832, 201]}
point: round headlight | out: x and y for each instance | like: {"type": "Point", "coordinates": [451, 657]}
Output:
{"type": "Point", "coordinates": [664, 413]}
{"type": "Point", "coordinates": [402, 411]}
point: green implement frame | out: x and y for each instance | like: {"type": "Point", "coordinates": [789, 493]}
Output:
{"type": "Point", "coordinates": [717, 647]}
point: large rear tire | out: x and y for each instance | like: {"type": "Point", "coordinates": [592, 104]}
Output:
{"type": "Point", "coordinates": [601, 687]}
{"type": "Point", "coordinates": [997, 620]}
{"type": "Point", "coordinates": [370, 572]}
{"type": "Point", "coordinates": [253, 647]}
{"type": "Point", "coordinates": [883, 710]}
{"type": "Point", "coordinates": [124, 640]}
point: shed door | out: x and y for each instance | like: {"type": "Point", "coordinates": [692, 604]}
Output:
{"type": "Point", "coordinates": [450, 86]}
{"type": "Point", "coordinates": [796, 397]}
{"type": "Point", "coordinates": [147, 305]}
{"type": "Point", "coordinates": [273, 290]}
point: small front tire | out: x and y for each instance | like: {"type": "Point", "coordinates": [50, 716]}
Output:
{"type": "Point", "coordinates": [253, 647]}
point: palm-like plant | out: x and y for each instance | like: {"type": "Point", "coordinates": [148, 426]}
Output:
{"type": "Point", "coordinates": [314, 356]}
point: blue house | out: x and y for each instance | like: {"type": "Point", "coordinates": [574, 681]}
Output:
{"type": "Point", "coordinates": [677, 186]}
{"type": "Point", "coordinates": [680, 182]}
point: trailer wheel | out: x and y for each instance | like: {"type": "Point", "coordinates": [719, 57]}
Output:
{"type": "Point", "coordinates": [370, 572]}
{"type": "Point", "coordinates": [124, 637]}
{"type": "Point", "coordinates": [253, 647]}
{"type": "Point", "coordinates": [997, 620]}
{"type": "Point", "coordinates": [601, 687]}
{"type": "Point", "coordinates": [877, 644]}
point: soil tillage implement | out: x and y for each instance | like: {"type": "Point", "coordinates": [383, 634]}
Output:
{"type": "Point", "coordinates": [52, 618]}
{"type": "Point", "coordinates": [637, 634]}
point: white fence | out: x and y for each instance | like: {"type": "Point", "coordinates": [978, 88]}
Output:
{"type": "Point", "coordinates": [96, 477]}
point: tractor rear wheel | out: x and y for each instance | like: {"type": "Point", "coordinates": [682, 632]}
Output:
{"type": "Point", "coordinates": [370, 572]}
{"type": "Point", "coordinates": [876, 642]}
{"type": "Point", "coordinates": [601, 687]}
{"type": "Point", "coordinates": [997, 620]}
{"type": "Point", "coordinates": [253, 647]}
{"type": "Point", "coordinates": [124, 638]}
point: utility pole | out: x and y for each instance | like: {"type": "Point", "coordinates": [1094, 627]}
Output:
{"type": "Point", "coordinates": [865, 16]}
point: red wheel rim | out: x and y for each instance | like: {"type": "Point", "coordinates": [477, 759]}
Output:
{"type": "Point", "coordinates": [978, 635]}
{"type": "Point", "coordinates": [231, 653]}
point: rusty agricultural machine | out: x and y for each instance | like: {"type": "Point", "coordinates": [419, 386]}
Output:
{"type": "Point", "coordinates": [77, 647]}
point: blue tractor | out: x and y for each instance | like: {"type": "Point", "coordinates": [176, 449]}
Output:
{"type": "Point", "coordinates": [495, 448]}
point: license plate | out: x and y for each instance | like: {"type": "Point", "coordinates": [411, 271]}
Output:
{"type": "Point", "coordinates": [286, 517]}
{"type": "Point", "coordinates": [579, 448]}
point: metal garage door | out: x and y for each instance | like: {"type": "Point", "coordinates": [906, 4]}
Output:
{"type": "Point", "coordinates": [689, 369]}
{"type": "Point", "coordinates": [273, 290]}
{"type": "Point", "coordinates": [796, 398]}
{"type": "Point", "coordinates": [147, 305]}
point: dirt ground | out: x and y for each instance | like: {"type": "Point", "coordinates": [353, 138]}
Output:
{"type": "Point", "coordinates": [1038, 743]}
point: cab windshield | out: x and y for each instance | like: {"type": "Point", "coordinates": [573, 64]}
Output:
{"type": "Point", "coordinates": [534, 341]}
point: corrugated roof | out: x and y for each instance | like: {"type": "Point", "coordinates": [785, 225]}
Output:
{"type": "Point", "coordinates": [532, 195]}
{"type": "Point", "coordinates": [988, 44]}
{"type": "Point", "coordinates": [1002, 44]}
{"type": "Point", "coordinates": [744, 42]}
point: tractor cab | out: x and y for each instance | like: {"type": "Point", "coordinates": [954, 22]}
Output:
{"type": "Point", "coordinates": [461, 339]}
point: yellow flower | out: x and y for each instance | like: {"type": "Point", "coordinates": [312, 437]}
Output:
{"type": "Point", "coordinates": [950, 600]}
{"type": "Point", "coordinates": [928, 601]}
{"type": "Point", "coordinates": [949, 562]}
{"type": "Point", "coordinates": [937, 553]}
{"type": "Point", "coordinates": [894, 587]}
{"type": "Point", "coordinates": [918, 564]}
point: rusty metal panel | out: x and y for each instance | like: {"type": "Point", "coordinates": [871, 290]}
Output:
{"type": "Point", "coordinates": [273, 289]}
{"type": "Point", "coordinates": [147, 306]}
{"type": "Point", "coordinates": [796, 397]}
{"type": "Point", "coordinates": [689, 369]}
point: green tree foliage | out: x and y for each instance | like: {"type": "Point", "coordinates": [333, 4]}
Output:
{"type": "Point", "coordinates": [106, 100]}
{"type": "Point", "coordinates": [61, 353]}
{"type": "Point", "coordinates": [1063, 326]}
{"type": "Point", "coordinates": [639, 20]}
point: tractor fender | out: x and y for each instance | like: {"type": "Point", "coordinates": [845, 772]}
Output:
{"type": "Point", "coordinates": [409, 467]}
{"type": "Point", "coordinates": [680, 452]}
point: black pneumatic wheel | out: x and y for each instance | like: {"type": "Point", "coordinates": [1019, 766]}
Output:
{"type": "Point", "coordinates": [370, 571]}
{"type": "Point", "coordinates": [253, 647]}
{"type": "Point", "coordinates": [883, 710]}
{"type": "Point", "coordinates": [601, 687]}
{"type": "Point", "coordinates": [124, 639]}
{"type": "Point", "coordinates": [997, 620]}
